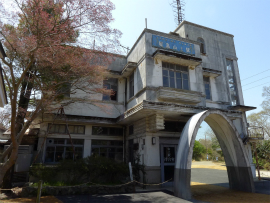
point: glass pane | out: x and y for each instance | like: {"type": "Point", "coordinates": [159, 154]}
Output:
{"type": "Point", "coordinates": [97, 130]}
{"type": "Point", "coordinates": [207, 91]}
{"type": "Point", "coordinates": [165, 82]}
{"type": "Point", "coordinates": [78, 153]}
{"type": "Point", "coordinates": [99, 142]}
{"type": "Point", "coordinates": [165, 72]}
{"type": "Point", "coordinates": [103, 152]}
{"type": "Point", "coordinates": [75, 141]}
{"type": "Point", "coordinates": [171, 66]}
{"type": "Point", "coordinates": [95, 152]}
{"type": "Point", "coordinates": [62, 129]}
{"type": "Point", "coordinates": [179, 83]}
{"type": "Point", "coordinates": [178, 75]}
{"type": "Point", "coordinates": [164, 64]}
{"type": "Point", "coordinates": [59, 141]}
{"type": "Point", "coordinates": [59, 154]}
{"type": "Point", "coordinates": [184, 68]}
{"type": "Point", "coordinates": [172, 83]}
{"type": "Point", "coordinates": [80, 129]}
{"type": "Point", "coordinates": [69, 153]}
{"type": "Point", "coordinates": [169, 154]}
{"type": "Point", "coordinates": [49, 157]}
{"type": "Point", "coordinates": [71, 129]}
{"type": "Point", "coordinates": [185, 76]}
{"type": "Point", "coordinates": [171, 74]}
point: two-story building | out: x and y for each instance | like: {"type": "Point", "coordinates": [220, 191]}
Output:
{"type": "Point", "coordinates": [164, 80]}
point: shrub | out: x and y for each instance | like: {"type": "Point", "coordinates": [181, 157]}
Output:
{"type": "Point", "coordinates": [104, 170]}
{"type": "Point", "coordinates": [68, 172]}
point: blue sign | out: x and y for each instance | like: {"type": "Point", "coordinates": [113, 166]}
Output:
{"type": "Point", "coordinates": [174, 45]}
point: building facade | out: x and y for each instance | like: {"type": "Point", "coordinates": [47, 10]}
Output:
{"type": "Point", "coordinates": [163, 81]}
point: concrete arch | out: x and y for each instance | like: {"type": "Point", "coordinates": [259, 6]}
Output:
{"type": "Point", "coordinates": [238, 166]}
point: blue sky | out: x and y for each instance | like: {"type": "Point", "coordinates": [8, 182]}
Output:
{"type": "Point", "coordinates": [248, 21]}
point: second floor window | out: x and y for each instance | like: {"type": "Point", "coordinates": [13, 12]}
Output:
{"type": "Point", "coordinates": [232, 83]}
{"type": "Point", "coordinates": [62, 129]}
{"type": "Point", "coordinates": [175, 76]}
{"type": "Point", "coordinates": [202, 45]}
{"type": "Point", "coordinates": [110, 84]}
{"type": "Point", "coordinates": [206, 82]}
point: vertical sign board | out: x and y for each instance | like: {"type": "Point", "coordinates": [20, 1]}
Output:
{"type": "Point", "coordinates": [173, 45]}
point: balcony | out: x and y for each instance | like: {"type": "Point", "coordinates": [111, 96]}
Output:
{"type": "Point", "coordinates": [255, 133]}
{"type": "Point", "coordinates": [168, 94]}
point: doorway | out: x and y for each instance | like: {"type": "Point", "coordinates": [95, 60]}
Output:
{"type": "Point", "coordinates": [167, 155]}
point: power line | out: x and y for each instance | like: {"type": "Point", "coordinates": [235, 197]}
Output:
{"type": "Point", "coordinates": [256, 80]}
{"type": "Point", "coordinates": [256, 86]}
{"type": "Point", "coordinates": [255, 75]}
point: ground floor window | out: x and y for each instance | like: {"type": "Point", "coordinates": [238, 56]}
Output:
{"type": "Point", "coordinates": [59, 149]}
{"type": "Point", "coordinates": [112, 149]}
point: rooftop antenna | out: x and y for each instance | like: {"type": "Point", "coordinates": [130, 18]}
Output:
{"type": "Point", "coordinates": [178, 9]}
{"type": "Point", "coordinates": [146, 23]}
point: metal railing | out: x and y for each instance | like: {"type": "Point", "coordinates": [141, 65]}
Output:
{"type": "Point", "coordinates": [255, 133]}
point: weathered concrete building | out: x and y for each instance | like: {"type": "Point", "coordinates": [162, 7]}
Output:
{"type": "Point", "coordinates": [164, 80]}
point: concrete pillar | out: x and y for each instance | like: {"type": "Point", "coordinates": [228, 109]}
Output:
{"type": "Point", "coordinates": [87, 148]}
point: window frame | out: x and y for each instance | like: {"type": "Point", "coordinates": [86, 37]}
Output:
{"type": "Point", "coordinates": [234, 82]}
{"type": "Point", "coordinates": [65, 146]}
{"type": "Point", "coordinates": [209, 83]}
{"type": "Point", "coordinates": [49, 124]}
{"type": "Point", "coordinates": [182, 72]}
{"type": "Point", "coordinates": [109, 130]}
{"type": "Point", "coordinates": [202, 45]}
{"type": "Point", "coordinates": [110, 82]}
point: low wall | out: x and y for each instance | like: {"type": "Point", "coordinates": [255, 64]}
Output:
{"type": "Point", "coordinates": [79, 190]}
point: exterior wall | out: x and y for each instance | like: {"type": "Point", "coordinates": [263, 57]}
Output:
{"type": "Point", "coordinates": [218, 47]}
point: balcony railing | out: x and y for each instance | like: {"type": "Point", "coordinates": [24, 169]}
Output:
{"type": "Point", "coordinates": [255, 133]}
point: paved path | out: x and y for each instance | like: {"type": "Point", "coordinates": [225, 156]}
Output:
{"type": "Point", "coordinates": [149, 197]}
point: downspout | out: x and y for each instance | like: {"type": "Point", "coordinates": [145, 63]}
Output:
{"type": "Point", "coordinates": [125, 95]}
{"type": "Point", "coordinates": [124, 143]}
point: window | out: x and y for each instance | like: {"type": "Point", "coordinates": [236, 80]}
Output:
{"type": "Point", "coordinates": [62, 129]}
{"type": "Point", "coordinates": [131, 85]}
{"type": "Point", "coordinates": [231, 81]}
{"type": "Point", "coordinates": [112, 149]}
{"type": "Point", "coordinates": [173, 126]}
{"type": "Point", "coordinates": [202, 45]}
{"type": "Point", "coordinates": [175, 76]}
{"type": "Point", "coordinates": [59, 149]}
{"type": "Point", "coordinates": [130, 130]}
{"type": "Point", "coordinates": [99, 130]}
{"type": "Point", "coordinates": [64, 89]}
{"type": "Point", "coordinates": [110, 84]}
{"type": "Point", "coordinates": [206, 81]}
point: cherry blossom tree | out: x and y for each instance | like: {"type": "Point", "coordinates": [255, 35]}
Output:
{"type": "Point", "coordinates": [54, 48]}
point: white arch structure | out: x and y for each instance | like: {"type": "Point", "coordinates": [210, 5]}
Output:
{"type": "Point", "coordinates": [238, 166]}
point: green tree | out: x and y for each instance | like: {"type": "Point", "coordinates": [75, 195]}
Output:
{"type": "Point", "coordinates": [198, 150]}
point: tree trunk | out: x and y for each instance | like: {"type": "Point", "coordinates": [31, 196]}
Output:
{"type": "Point", "coordinates": [26, 90]}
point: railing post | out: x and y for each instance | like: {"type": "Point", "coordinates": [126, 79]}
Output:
{"type": "Point", "coordinates": [39, 191]}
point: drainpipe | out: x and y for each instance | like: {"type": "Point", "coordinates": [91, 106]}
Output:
{"type": "Point", "coordinates": [125, 94]}
{"type": "Point", "coordinates": [124, 143]}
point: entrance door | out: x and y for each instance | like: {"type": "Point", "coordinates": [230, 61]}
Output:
{"type": "Point", "coordinates": [168, 153]}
